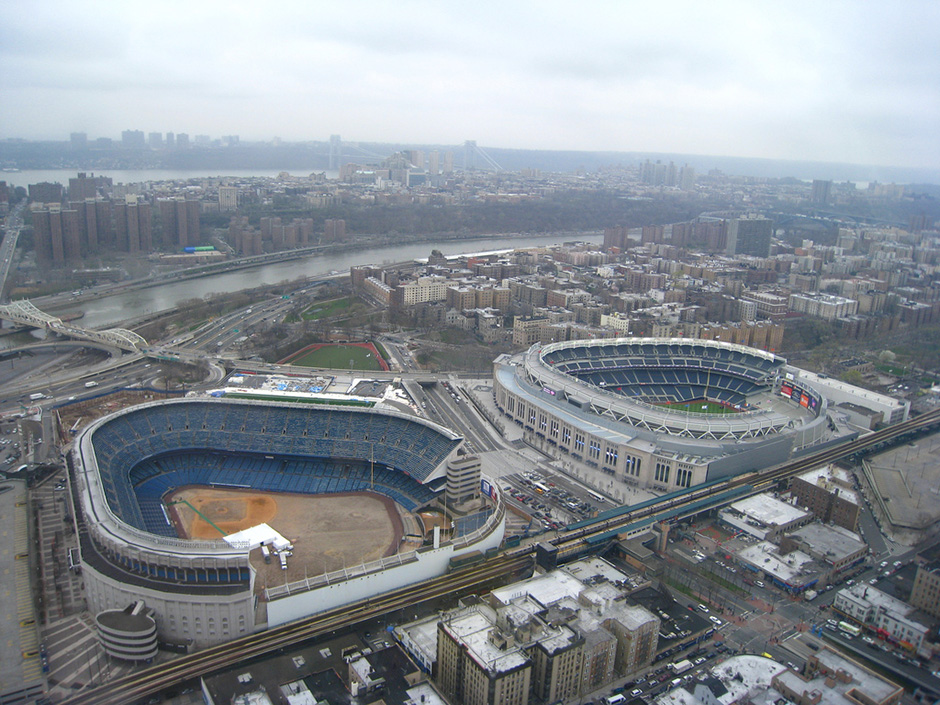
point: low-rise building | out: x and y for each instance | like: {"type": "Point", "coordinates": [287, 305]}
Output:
{"type": "Point", "coordinates": [763, 517]}
{"type": "Point", "coordinates": [882, 613]}
{"type": "Point", "coordinates": [835, 547]}
{"type": "Point", "coordinates": [829, 493]}
{"type": "Point", "coordinates": [835, 679]}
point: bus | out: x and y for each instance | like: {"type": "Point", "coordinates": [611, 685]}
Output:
{"type": "Point", "coordinates": [540, 488]}
{"type": "Point", "coordinates": [849, 629]}
{"type": "Point", "coordinates": [595, 496]}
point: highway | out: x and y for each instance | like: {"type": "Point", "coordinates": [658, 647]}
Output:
{"type": "Point", "coordinates": [570, 543]}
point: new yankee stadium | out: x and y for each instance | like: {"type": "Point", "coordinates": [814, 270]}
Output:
{"type": "Point", "coordinates": [661, 413]}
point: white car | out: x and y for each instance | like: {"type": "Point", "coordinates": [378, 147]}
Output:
{"type": "Point", "coordinates": [715, 620]}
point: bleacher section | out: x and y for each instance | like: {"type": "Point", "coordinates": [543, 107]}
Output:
{"type": "Point", "coordinates": [668, 372]}
{"type": "Point", "coordinates": [470, 523]}
{"type": "Point", "coordinates": [144, 453]}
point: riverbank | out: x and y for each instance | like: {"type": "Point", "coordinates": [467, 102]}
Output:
{"type": "Point", "coordinates": [53, 302]}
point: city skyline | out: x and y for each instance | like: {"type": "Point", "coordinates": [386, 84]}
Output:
{"type": "Point", "coordinates": [850, 83]}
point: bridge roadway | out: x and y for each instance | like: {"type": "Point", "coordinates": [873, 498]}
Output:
{"type": "Point", "coordinates": [153, 680]}
{"type": "Point", "coordinates": [25, 313]}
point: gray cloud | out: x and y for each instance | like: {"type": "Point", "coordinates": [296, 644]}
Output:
{"type": "Point", "coordinates": [841, 81]}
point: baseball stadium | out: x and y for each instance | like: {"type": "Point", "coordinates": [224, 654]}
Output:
{"type": "Point", "coordinates": [185, 503]}
{"type": "Point", "coordinates": [658, 413]}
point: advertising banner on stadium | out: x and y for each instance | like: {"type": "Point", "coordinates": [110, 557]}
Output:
{"type": "Point", "coordinates": [488, 488]}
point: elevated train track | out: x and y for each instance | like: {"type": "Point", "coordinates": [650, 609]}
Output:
{"type": "Point", "coordinates": [581, 537]}
{"type": "Point", "coordinates": [584, 535]}
{"type": "Point", "coordinates": [142, 684]}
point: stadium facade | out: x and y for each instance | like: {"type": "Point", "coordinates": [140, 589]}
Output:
{"type": "Point", "coordinates": [615, 412]}
{"type": "Point", "coordinates": [204, 592]}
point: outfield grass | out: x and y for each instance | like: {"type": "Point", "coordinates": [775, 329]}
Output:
{"type": "Point", "coordinates": [701, 407]}
{"type": "Point", "coordinates": [338, 357]}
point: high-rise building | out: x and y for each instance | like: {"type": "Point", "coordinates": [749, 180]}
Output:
{"type": "Point", "coordinates": [170, 140]}
{"type": "Point", "coordinates": [57, 233]}
{"type": "Point", "coordinates": [182, 140]}
{"type": "Point", "coordinates": [448, 167]}
{"type": "Point", "coordinates": [155, 140]}
{"type": "Point", "coordinates": [179, 221]}
{"type": "Point", "coordinates": [334, 230]}
{"type": "Point", "coordinates": [133, 139]}
{"type": "Point", "coordinates": [228, 198]}
{"type": "Point", "coordinates": [821, 192]}
{"type": "Point", "coordinates": [653, 234]}
{"type": "Point", "coordinates": [616, 237]}
{"type": "Point", "coordinates": [749, 236]}
{"type": "Point", "coordinates": [469, 155]}
{"type": "Point", "coordinates": [336, 152]}
{"type": "Point", "coordinates": [434, 162]}
{"type": "Point", "coordinates": [104, 219]}
{"type": "Point", "coordinates": [90, 207]}
{"type": "Point", "coordinates": [84, 186]}
{"type": "Point", "coordinates": [187, 222]}
{"type": "Point", "coordinates": [45, 192]}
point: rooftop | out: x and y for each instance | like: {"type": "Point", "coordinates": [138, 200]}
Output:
{"type": "Point", "coordinates": [767, 510]}
{"type": "Point", "coordinates": [786, 568]}
{"type": "Point", "coordinates": [472, 627]}
{"type": "Point", "coordinates": [834, 480]}
{"type": "Point", "coordinates": [743, 677]}
{"type": "Point", "coordinates": [833, 543]}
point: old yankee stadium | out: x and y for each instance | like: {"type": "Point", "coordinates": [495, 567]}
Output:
{"type": "Point", "coordinates": [182, 501]}
{"type": "Point", "coordinates": [667, 414]}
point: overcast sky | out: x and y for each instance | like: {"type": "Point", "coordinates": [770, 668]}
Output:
{"type": "Point", "coordinates": [853, 82]}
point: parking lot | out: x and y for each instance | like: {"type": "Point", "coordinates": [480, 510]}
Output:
{"type": "Point", "coordinates": [554, 501]}
{"type": "Point", "coordinates": [10, 445]}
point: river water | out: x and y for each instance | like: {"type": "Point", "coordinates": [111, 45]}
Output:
{"type": "Point", "coordinates": [108, 311]}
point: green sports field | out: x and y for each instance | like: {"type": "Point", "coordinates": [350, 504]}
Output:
{"type": "Point", "coordinates": [701, 407]}
{"type": "Point", "coordinates": [339, 357]}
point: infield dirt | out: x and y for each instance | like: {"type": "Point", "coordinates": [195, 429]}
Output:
{"type": "Point", "coordinates": [329, 532]}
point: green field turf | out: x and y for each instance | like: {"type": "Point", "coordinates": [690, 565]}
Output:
{"type": "Point", "coordinates": [337, 357]}
{"type": "Point", "coordinates": [701, 407]}
{"type": "Point", "coordinates": [323, 309]}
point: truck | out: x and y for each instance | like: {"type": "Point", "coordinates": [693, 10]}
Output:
{"type": "Point", "coordinates": [37, 396]}
{"type": "Point", "coordinates": [266, 553]}
{"type": "Point", "coordinates": [89, 385]}
{"type": "Point", "coordinates": [810, 595]}
{"type": "Point", "coordinates": [681, 666]}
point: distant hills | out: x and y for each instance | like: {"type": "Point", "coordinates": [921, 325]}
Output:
{"type": "Point", "coordinates": [305, 155]}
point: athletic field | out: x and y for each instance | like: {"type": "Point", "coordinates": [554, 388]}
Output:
{"type": "Point", "coordinates": [347, 356]}
{"type": "Point", "coordinates": [701, 406]}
